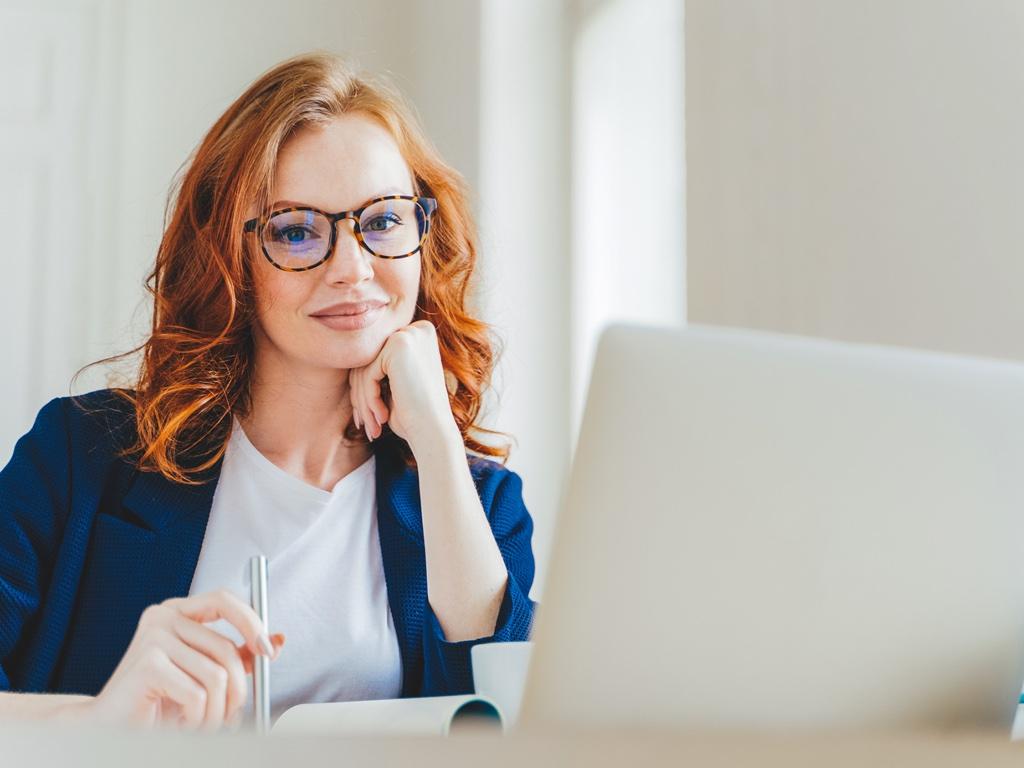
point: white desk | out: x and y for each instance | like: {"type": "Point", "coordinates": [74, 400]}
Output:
{"type": "Point", "coordinates": [46, 745]}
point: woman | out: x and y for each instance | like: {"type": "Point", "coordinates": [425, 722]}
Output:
{"type": "Point", "coordinates": [308, 392]}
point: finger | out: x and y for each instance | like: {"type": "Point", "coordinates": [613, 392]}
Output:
{"type": "Point", "coordinates": [377, 369]}
{"type": "Point", "coordinates": [172, 682]}
{"type": "Point", "coordinates": [222, 604]}
{"type": "Point", "coordinates": [374, 401]}
{"type": "Point", "coordinates": [372, 389]}
{"type": "Point", "coordinates": [246, 655]}
{"type": "Point", "coordinates": [353, 381]}
{"type": "Point", "coordinates": [358, 406]}
{"type": "Point", "coordinates": [224, 653]}
{"type": "Point", "coordinates": [371, 418]}
{"type": "Point", "coordinates": [209, 674]}
{"type": "Point", "coordinates": [365, 416]}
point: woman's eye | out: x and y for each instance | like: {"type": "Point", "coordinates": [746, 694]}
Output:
{"type": "Point", "coordinates": [379, 223]}
{"type": "Point", "coordinates": [295, 234]}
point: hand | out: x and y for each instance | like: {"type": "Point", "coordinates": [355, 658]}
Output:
{"type": "Point", "coordinates": [180, 673]}
{"type": "Point", "coordinates": [420, 410]}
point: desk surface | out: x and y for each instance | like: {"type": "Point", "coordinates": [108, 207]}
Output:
{"type": "Point", "coordinates": [48, 745]}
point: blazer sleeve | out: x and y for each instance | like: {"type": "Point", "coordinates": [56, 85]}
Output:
{"type": "Point", "coordinates": [446, 664]}
{"type": "Point", "coordinates": [34, 495]}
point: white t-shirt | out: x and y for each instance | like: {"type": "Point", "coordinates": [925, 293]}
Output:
{"type": "Point", "coordinates": [326, 588]}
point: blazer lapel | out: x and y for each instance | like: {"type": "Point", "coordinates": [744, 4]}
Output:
{"type": "Point", "coordinates": [143, 548]}
{"type": "Point", "coordinates": [400, 527]}
{"type": "Point", "coordinates": [178, 515]}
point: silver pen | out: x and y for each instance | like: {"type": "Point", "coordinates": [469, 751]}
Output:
{"type": "Point", "coordinates": [260, 663]}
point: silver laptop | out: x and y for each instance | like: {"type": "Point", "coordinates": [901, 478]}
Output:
{"type": "Point", "coordinates": [771, 531]}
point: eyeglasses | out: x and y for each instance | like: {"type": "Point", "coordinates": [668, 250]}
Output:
{"type": "Point", "coordinates": [297, 239]}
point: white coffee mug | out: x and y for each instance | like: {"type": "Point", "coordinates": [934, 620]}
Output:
{"type": "Point", "coordinates": [499, 672]}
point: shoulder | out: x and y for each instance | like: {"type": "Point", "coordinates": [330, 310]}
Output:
{"type": "Point", "coordinates": [101, 419]}
{"type": "Point", "coordinates": [67, 432]}
{"type": "Point", "coordinates": [106, 402]}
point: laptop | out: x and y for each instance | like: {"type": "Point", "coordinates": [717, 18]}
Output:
{"type": "Point", "coordinates": [767, 531]}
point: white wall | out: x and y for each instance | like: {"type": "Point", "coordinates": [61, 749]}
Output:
{"type": "Point", "coordinates": [628, 174]}
{"type": "Point", "coordinates": [54, 206]}
{"type": "Point", "coordinates": [524, 219]}
{"type": "Point", "coordinates": [856, 170]}
{"type": "Point", "coordinates": [583, 207]}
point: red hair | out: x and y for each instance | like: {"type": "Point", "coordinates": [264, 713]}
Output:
{"type": "Point", "coordinates": [197, 361]}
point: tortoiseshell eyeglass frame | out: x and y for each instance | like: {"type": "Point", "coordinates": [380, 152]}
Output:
{"type": "Point", "coordinates": [427, 204]}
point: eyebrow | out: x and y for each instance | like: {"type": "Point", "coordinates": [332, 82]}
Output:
{"type": "Point", "coordinates": [381, 193]}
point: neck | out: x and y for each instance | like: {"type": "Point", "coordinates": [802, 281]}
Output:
{"type": "Point", "coordinates": [297, 420]}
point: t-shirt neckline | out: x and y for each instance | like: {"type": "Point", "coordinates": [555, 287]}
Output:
{"type": "Point", "coordinates": [312, 492]}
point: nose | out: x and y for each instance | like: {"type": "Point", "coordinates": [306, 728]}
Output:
{"type": "Point", "coordinates": [350, 262]}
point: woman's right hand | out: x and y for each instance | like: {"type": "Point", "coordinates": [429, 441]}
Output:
{"type": "Point", "coordinates": [178, 672]}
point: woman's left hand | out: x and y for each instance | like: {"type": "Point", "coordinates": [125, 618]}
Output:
{"type": "Point", "coordinates": [420, 411]}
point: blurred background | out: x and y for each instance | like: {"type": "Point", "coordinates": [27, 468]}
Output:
{"type": "Point", "coordinates": [834, 168]}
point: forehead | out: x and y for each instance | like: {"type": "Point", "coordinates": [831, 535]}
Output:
{"type": "Point", "coordinates": [340, 165]}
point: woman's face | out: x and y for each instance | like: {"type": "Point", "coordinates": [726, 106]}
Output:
{"type": "Point", "coordinates": [336, 167]}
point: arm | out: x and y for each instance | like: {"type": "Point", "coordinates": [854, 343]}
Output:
{"type": "Point", "coordinates": [57, 707]}
{"type": "Point", "coordinates": [33, 504]}
{"type": "Point", "coordinates": [466, 576]}
{"type": "Point", "coordinates": [479, 566]}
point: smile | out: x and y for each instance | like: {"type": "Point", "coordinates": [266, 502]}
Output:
{"type": "Point", "coordinates": [350, 322]}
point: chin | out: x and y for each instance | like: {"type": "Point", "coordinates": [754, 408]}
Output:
{"type": "Point", "coordinates": [361, 348]}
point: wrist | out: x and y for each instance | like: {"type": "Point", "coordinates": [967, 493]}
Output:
{"type": "Point", "coordinates": [77, 711]}
{"type": "Point", "coordinates": [440, 440]}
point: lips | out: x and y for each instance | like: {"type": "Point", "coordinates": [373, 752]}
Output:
{"type": "Point", "coordinates": [348, 308]}
{"type": "Point", "coordinates": [350, 316]}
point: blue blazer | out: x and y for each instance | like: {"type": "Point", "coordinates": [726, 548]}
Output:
{"type": "Point", "coordinates": [87, 542]}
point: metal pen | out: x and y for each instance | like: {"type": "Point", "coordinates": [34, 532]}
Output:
{"type": "Point", "coordinates": [260, 663]}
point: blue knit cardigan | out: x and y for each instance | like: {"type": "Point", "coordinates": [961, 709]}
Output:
{"type": "Point", "coordinates": [87, 542]}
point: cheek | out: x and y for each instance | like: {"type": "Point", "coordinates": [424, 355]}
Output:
{"type": "Point", "coordinates": [276, 297]}
{"type": "Point", "coordinates": [403, 281]}
{"type": "Point", "coordinates": [412, 281]}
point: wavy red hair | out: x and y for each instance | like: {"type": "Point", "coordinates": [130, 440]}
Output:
{"type": "Point", "coordinates": [197, 360]}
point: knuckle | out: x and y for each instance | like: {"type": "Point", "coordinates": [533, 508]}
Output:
{"type": "Point", "coordinates": [220, 677]}
{"type": "Point", "coordinates": [197, 697]}
{"type": "Point", "coordinates": [152, 659]}
{"type": "Point", "coordinates": [168, 607]}
{"type": "Point", "coordinates": [150, 614]}
{"type": "Point", "coordinates": [223, 647]}
{"type": "Point", "coordinates": [142, 635]}
{"type": "Point", "coordinates": [157, 635]}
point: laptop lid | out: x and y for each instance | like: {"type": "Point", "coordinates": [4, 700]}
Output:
{"type": "Point", "coordinates": [762, 531]}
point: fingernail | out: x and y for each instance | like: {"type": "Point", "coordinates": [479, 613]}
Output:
{"type": "Point", "coordinates": [266, 645]}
